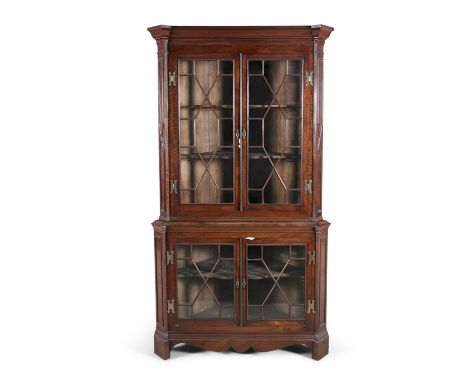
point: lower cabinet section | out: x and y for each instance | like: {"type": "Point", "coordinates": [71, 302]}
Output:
{"type": "Point", "coordinates": [263, 291]}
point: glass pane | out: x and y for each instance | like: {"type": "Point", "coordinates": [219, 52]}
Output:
{"type": "Point", "coordinates": [276, 282]}
{"type": "Point", "coordinates": [274, 131]}
{"type": "Point", "coordinates": [205, 281]}
{"type": "Point", "coordinates": [206, 131]}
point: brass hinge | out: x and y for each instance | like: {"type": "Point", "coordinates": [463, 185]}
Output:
{"type": "Point", "coordinates": [171, 306]}
{"type": "Point", "coordinates": [308, 78]}
{"type": "Point", "coordinates": [173, 186]}
{"type": "Point", "coordinates": [310, 306]}
{"type": "Point", "coordinates": [169, 257]}
{"type": "Point", "coordinates": [311, 257]}
{"type": "Point", "coordinates": [172, 79]}
{"type": "Point", "coordinates": [308, 186]}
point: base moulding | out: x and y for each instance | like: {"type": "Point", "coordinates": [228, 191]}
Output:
{"type": "Point", "coordinates": [317, 344]}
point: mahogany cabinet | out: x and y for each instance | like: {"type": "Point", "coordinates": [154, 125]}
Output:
{"type": "Point", "coordinates": [240, 245]}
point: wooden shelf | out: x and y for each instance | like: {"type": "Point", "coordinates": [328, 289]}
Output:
{"type": "Point", "coordinates": [206, 107]}
{"type": "Point", "coordinates": [227, 312]}
{"type": "Point", "coordinates": [225, 154]}
{"type": "Point", "coordinates": [225, 270]}
{"type": "Point", "coordinates": [259, 272]}
{"type": "Point", "coordinates": [275, 312]}
{"type": "Point", "coordinates": [274, 156]}
{"type": "Point", "coordinates": [274, 106]}
{"type": "Point", "coordinates": [222, 154]}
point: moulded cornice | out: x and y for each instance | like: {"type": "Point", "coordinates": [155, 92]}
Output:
{"type": "Point", "coordinates": [160, 31]}
{"type": "Point", "coordinates": [322, 31]}
{"type": "Point", "coordinates": [239, 34]}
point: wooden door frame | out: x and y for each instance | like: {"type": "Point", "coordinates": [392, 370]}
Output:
{"type": "Point", "coordinates": [172, 292]}
{"type": "Point", "coordinates": [198, 209]}
{"type": "Point", "coordinates": [265, 238]}
{"type": "Point", "coordinates": [305, 208]}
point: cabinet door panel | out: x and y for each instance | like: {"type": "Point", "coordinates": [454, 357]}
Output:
{"type": "Point", "coordinates": [276, 280]}
{"type": "Point", "coordinates": [277, 148]}
{"type": "Point", "coordinates": [205, 151]}
{"type": "Point", "coordinates": [275, 131]}
{"type": "Point", "coordinates": [279, 281]}
{"type": "Point", "coordinates": [203, 281]}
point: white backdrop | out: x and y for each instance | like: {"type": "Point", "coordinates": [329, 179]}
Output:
{"type": "Point", "coordinates": [79, 189]}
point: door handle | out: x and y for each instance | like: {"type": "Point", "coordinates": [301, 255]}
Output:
{"type": "Point", "coordinates": [238, 138]}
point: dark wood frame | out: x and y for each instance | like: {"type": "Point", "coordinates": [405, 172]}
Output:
{"type": "Point", "coordinates": [233, 223]}
{"type": "Point", "coordinates": [303, 209]}
{"type": "Point", "coordinates": [201, 209]}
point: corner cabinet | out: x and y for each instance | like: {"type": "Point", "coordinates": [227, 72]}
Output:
{"type": "Point", "coordinates": [240, 245]}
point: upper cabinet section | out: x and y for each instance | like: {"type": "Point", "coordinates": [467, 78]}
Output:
{"type": "Point", "coordinates": [240, 126]}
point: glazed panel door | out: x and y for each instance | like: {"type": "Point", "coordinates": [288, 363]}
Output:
{"type": "Point", "coordinates": [277, 161]}
{"type": "Point", "coordinates": [279, 281]}
{"type": "Point", "coordinates": [203, 281]}
{"type": "Point", "coordinates": [203, 118]}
